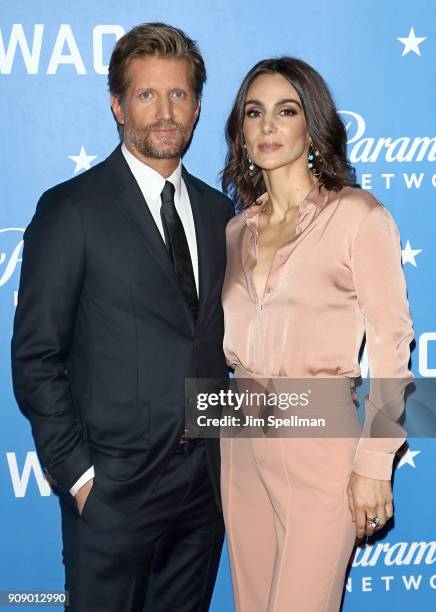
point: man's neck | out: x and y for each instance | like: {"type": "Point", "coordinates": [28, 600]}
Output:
{"type": "Point", "coordinates": [165, 167]}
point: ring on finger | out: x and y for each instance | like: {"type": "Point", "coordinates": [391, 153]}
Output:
{"type": "Point", "coordinates": [374, 522]}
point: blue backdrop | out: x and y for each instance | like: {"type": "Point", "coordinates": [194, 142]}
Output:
{"type": "Point", "coordinates": [378, 58]}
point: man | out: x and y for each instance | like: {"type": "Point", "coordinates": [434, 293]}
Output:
{"type": "Point", "coordinates": [119, 302]}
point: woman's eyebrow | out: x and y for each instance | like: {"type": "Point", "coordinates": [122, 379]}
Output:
{"type": "Point", "coordinates": [258, 102]}
{"type": "Point", "coordinates": [278, 103]}
{"type": "Point", "coordinates": [287, 100]}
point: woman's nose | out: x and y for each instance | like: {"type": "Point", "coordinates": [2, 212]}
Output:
{"type": "Point", "coordinates": [267, 126]}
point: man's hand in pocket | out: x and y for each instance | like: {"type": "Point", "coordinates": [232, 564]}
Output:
{"type": "Point", "coordinates": [82, 495]}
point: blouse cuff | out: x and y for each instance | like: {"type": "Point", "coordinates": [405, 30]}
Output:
{"type": "Point", "coordinates": [373, 464]}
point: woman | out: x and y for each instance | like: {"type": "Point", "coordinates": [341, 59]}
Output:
{"type": "Point", "coordinates": [314, 263]}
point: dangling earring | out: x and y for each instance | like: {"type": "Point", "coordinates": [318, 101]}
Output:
{"type": "Point", "coordinates": [251, 167]}
{"type": "Point", "coordinates": [314, 160]}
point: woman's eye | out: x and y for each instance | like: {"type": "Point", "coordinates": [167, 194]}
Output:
{"type": "Point", "coordinates": [253, 113]}
{"type": "Point", "coordinates": [287, 112]}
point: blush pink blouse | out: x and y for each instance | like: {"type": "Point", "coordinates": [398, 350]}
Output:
{"type": "Point", "coordinates": [338, 279]}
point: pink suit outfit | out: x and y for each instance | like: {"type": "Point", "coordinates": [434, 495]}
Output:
{"type": "Point", "coordinates": [289, 528]}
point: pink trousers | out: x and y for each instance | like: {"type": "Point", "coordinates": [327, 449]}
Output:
{"type": "Point", "coordinates": [289, 529]}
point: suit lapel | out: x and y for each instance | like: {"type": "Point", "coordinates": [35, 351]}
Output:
{"type": "Point", "coordinates": [202, 227]}
{"type": "Point", "coordinates": [130, 201]}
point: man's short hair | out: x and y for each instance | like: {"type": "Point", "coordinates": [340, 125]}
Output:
{"type": "Point", "coordinates": [154, 40]}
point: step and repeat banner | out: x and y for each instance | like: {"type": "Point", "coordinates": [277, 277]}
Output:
{"type": "Point", "coordinates": [379, 60]}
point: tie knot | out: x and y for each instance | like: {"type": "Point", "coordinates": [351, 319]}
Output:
{"type": "Point", "coordinates": [167, 195]}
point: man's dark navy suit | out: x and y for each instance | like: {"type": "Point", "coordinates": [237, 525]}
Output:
{"type": "Point", "coordinates": [103, 342]}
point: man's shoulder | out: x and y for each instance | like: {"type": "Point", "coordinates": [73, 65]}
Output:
{"type": "Point", "coordinates": [79, 191]}
{"type": "Point", "coordinates": [82, 183]}
{"type": "Point", "coordinates": [211, 193]}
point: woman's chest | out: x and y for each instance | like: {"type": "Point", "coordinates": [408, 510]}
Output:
{"type": "Point", "coordinates": [310, 269]}
{"type": "Point", "coordinates": [269, 242]}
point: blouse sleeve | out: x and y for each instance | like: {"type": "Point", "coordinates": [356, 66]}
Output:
{"type": "Point", "coordinates": [382, 297]}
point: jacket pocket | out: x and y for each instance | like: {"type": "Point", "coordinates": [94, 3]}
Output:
{"type": "Point", "coordinates": [119, 429]}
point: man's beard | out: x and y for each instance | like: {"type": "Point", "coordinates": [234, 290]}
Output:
{"type": "Point", "coordinates": [141, 139]}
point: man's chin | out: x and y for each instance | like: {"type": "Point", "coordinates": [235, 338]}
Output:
{"type": "Point", "coordinates": [158, 150]}
{"type": "Point", "coordinates": [163, 151]}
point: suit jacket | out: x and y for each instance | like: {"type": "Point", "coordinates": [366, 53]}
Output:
{"type": "Point", "coordinates": [103, 338]}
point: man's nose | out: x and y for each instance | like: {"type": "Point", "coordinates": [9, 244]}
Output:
{"type": "Point", "coordinates": [164, 109]}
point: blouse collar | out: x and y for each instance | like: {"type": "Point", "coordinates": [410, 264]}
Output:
{"type": "Point", "coordinates": [309, 208]}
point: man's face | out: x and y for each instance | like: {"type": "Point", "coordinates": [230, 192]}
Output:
{"type": "Point", "coordinates": [159, 109]}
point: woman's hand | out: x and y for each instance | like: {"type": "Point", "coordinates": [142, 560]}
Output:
{"type": "Point", "coordinates": [369, 498]}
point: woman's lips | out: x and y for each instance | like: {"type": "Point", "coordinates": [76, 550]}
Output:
{"type": "Point", "coordinates": [267, 147]}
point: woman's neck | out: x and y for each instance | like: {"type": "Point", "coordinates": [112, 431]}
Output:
{"type": "Point", "coordinates": [287, 187]}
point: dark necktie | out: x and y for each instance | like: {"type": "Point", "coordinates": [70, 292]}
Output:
{"type": "Point", "coordinates": [178, 248]}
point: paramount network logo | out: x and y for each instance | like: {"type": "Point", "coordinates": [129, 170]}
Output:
{"type": "Point", "coordinates": [370, 150]}
{"type": "Point", "coordinates": [400, 553]}
{"type": "Point", "coordinates": [392, 558]}
{"type": "Point", "coordinates": [11, 246]}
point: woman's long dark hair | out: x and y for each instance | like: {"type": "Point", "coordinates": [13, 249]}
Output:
{"type": "Point", "coordinates": [325, 128]}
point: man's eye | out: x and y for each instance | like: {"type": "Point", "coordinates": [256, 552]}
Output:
{"type": "Point", "coordinates": [179, 93]}
{"type": "Point", "coordinates": [145, 94]}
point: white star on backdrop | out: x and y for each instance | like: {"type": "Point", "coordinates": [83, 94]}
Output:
{"type": "Point", "coordinates": [411, 43]}
{"type": "Point", "coordinates": [82, 161]}
{"type": "Point", "coordinates": [408, 458]}
{"type": "Point", "coordinates": [409, 254]}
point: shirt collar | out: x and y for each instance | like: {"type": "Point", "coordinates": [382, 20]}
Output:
{"type": "Point", "coordinates": [149, 180]}
{"type": "Point", "coordinates": [318, 196]}
{"type": "Point", "coordinates": [309, 208]}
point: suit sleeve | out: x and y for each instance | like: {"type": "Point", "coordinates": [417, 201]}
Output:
{"type": "Point", "coordinates": [52, 273]}
{"type": "Point", "coordinates": [382, 298]}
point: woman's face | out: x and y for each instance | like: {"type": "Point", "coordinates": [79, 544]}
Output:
{"type": "Point", "coordinates": [275, 130]}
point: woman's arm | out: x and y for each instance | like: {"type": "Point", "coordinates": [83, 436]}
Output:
{"type": "Point", "coordinates": [382, 298]}
{"type": "Point", "coordinates": [381, 293]}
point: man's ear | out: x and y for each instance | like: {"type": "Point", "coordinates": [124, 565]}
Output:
{"type": "Point", "coordinates": [117, 109]}
{"type": "Point", "coordinates": [197, 110]}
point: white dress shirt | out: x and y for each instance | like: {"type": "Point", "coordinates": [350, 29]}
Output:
{"type": "Point", "coordinates": [151, 184]}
